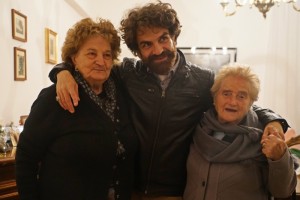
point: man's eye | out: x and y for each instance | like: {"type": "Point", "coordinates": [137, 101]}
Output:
{"type": "Point", "coordinates": [163, 39]}
{"type": "Point", "coordinates": [145, 45]}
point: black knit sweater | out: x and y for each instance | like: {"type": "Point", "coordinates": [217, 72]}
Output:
{"type": "Point", "coordinates": [73, 156]}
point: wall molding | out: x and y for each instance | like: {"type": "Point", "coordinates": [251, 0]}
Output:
{"type": "Point", "coordinates": [77, 7]}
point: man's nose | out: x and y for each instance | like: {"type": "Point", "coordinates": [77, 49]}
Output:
{"type": "Point", "coordinates": [157, 49]}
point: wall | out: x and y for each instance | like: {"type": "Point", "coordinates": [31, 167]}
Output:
{"type": "Point", "coordinates": [17, 96]}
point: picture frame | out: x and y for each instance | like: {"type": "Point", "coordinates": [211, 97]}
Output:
{"type": "Point", "coordinates": [20, 68]}
{"type": "Point", "coordinates": [19, 26]}
{"type": "Point", "coordinates": [210, 57]}
{"type": "Point", "coordinates": [50, 46]}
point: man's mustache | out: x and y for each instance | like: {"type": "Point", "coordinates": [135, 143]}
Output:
{"type": "Point", "coordinates": [163, 54]}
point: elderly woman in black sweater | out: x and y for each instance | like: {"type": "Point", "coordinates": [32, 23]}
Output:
{"type": "Point", "coordinates": [89, 154]}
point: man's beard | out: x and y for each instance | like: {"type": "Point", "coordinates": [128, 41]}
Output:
{"type": "Point", "coordinates": [161, 68]}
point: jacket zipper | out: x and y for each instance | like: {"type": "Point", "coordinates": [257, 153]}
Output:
{"type": "Point", "coordinates": [163, 94]}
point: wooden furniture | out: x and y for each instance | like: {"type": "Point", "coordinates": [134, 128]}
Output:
{"type": "Point", "coordinates": [8, 188]}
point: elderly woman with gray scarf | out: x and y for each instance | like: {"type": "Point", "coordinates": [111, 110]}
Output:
{"type": "Point", "coordinates": [229, 157]}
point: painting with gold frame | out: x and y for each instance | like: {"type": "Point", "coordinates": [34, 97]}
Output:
{"type": "Point", "coordinates": [19, 26]}
{"type": "Point", "coordinates": [20, 68]}
{"type": "Point", "coordinates": [50, 46]}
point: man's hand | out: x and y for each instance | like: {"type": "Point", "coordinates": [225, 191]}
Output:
{"type": "Point", "coordinates": [67, 91]}
{"type": "Point", "coordinates": [270, 129]}
{"type": "Point", "coordinates": [273, 144]}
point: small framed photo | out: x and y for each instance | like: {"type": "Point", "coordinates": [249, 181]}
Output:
{"type": "Point", "coordinates": [19, 26]}
{"type": "Point", "coordinates": [20, 68]}
{"type": "Point", "coordinates": [51, 46]}
{"type": "Point", "coordinates": [210, 57]}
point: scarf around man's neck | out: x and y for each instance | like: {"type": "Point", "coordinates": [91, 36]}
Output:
{"type": "Point", "coordinates": [246, 144]}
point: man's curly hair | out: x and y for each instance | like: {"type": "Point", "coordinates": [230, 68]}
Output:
{"type": "Point", "coordinates": [85, 29]}
{"type": "Point", "coordinates": [158, 14]}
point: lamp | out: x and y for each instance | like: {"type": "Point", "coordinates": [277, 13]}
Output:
{"type": "Point", "coordinates": [262, 5]}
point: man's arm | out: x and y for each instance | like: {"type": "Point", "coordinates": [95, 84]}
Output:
{"type": "Point", "coordinates": [269, 119]}
{"type": "Point", "coordinates": [58, 68]}
{"type": "Point", "coordinates": [66, 86]}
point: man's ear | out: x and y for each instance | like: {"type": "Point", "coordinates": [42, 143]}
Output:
{"type": "Point", "coordinates": [138, 54]}
{"type": "Point", "coordinates": [174, 40]}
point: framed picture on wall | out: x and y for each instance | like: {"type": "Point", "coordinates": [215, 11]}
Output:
{"type": "Point", "coordinates": [20, 68]}
{"type": "Point", "coordinates": [210, 57]}
{"type": "Point", "coordinates": [50, 46]}
{"type": "Point", "coordinates": [19, 26]}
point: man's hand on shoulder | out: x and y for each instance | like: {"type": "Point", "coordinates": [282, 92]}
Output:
{"type": "Point", "coordinates": [67, 91]}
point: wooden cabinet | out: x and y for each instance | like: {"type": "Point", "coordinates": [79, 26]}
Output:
{"type": "Point", "coordinates": [8, 188]}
